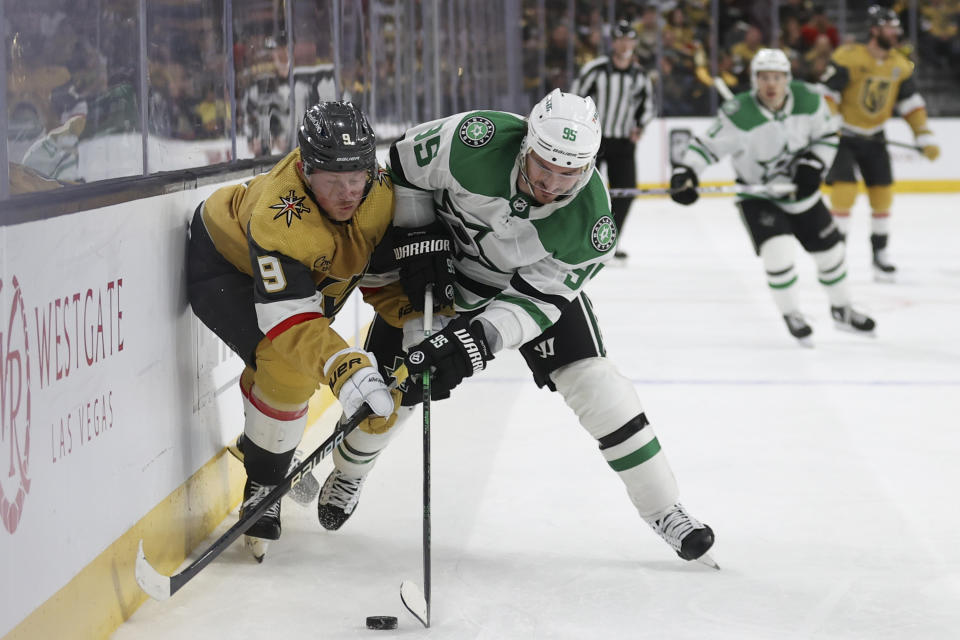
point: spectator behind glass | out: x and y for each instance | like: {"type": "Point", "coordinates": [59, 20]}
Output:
{"type": "Point", "coordinates": [647, 37]}
{"type": "Point", "coordinates": [743, 52]}
{"type": "Point", "coordinates": [819, 24]}
{"type": "Point", "coordinates": [800, 10]}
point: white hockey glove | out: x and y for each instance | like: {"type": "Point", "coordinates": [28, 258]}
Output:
{"type": "Point", "coordinates": [355, 380]}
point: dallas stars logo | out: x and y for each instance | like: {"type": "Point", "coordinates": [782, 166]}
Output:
{"type": "Point", "coordinates": [519, 206]}
{"type": "Point", "coordinates": [778, 165]}
{"type": "Point", "coordinates": [291, 206]}
{"type": "Point", "coordinates": [476, 131]}
{"type": "Point", "coordinates": [604, 234]}
{"type": "Point", "coordinates": [397, 363]}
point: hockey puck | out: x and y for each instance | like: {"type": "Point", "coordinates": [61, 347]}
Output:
{"type": "Point", "coordinates": [381, 622]}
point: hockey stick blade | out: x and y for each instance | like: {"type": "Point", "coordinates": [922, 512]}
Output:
{"type": "Point", "coordinates": [161, 587]}
{"type": "Point", "coordinates": [154, 584]}
{"type": "Point", "coordinates": [412, 597]}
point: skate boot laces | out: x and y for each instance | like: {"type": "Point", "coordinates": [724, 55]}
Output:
{"type": "Point", "coordinates": [257, 492]}
{"type": "Point", "coordinates": [341, 491]}
{"type": "Point", "coordinates": [674, 525]}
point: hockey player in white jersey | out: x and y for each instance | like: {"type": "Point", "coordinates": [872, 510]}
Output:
{"type": "Point", "coordinates": [530, 224]}
{"type": "Point", "coordinates": [781, 131]}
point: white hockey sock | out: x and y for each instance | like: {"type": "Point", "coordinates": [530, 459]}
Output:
{"type": "Point", "coordinates": [832, 272]}
{"type": "Point", "coordinates": [843, 222]}
{"type": "Point", "coordinates": [609, 409]}
{"type": "Point", "coordinates": [777, 256]}
{"type": "Point", "coordinates": [358, 452]}
{"type": "Point", "coordinates": [880, 224]}
{"type": "Point", "coordinates": [644, 470]}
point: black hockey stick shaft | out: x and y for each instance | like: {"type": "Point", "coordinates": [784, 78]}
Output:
{"type": "Point", "coordinates": [162, 587]}
{"type": "Point", "coordinates": [428, 327]}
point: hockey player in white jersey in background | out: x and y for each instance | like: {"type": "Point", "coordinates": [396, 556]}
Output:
{"type": "Point", "coordinates": [781, 131]}
{"type": "Point", "coordinates": [530, 224]}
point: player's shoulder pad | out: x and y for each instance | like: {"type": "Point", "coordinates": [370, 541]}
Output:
{"type": "Point", "coordinates": [484, 148]}
{"type": "Point", "coordinates": [477, 129]}
{"type": "Point", "coordinates": [902, 62]}
{"type": "Point", "coordinates": [743, 111]}
{"type": "Point", "coordinates": [806, 97]}
{"type": "Point", "coordinates": [582, 230]}
{"type": "Point", "coordinates": [845, 54]}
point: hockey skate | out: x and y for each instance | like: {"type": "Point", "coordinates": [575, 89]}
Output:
{"type": "Point", "coordinates": [849, 319]}
{"type": "Point", "coordinates": [883, 269]}
{"type": "Point", "coordinates": [338, 499]}
{"type": "Point", "coordinates": [257, 538]}
{"type": "Point", "coordinates": [684, 533]}
{"type": "Point", "coordinates": [799, 328]}
{"type": "Point", "coordinates": [304, 492]}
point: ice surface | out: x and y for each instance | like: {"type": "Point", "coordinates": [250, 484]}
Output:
{"type": "Point", "coordinates": [829, 475]}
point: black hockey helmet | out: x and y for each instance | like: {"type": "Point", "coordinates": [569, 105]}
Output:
{"type": "Point", "coordinates": [623, 29]}
{"type": "Point", "coordinates": [336, 136]}
{"type": "Point", "coordinates": [880, 16]}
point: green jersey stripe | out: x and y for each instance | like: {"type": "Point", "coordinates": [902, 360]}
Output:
{"type": "Point", "coordinates": [532, 310]}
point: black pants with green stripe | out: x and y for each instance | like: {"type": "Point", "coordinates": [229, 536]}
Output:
{"type": "Point", "coordinates": [575, 336]}
{"type": "Point", "coordinates": [814, 228]}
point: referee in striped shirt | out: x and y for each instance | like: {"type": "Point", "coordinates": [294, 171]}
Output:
{"type": "Point", "coordinates": [624, 97]}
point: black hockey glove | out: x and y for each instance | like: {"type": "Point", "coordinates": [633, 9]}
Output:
{"type": "Point", "coordinates": [683, 185]}
{"type": "Point", "coordinates": [807, 174]}
{"type": "Point", "coordinates": [424, 256]}
{"type": "Point", "coordinates": [454, 353]}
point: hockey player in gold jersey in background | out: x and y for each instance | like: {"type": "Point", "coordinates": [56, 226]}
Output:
{"type": "Point", "coordinates": [866, 83]}
{"type": "Point", "coordinates": [270, 262]}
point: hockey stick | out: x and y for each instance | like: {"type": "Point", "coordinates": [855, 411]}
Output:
{"type": "Point", "coordinates": [416, 601]}
{"type": "Point", "coordinates": [778, 189]}
{"type": "Point", "coordinates": [722, 88]}
{"type": "Point", "coordinates": [889, 143]}
{"type": "Point", "coordinates": [304, 492]}
{"type": "Point", "coordinates": [160, 587]}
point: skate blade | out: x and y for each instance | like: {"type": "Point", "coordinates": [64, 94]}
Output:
{"type": "Point", "coordinates": [708, 560]}
{"type": "Point", "coordinates": [842, 326]}
{"type": "Point", "coordinates": [806, 342]}
{"type": "Point", "coordinates": [256, 546]}
{"type": "Point", "coordinates": [305, 492]}
{"type": "Point", "coordinates": [883, 276]}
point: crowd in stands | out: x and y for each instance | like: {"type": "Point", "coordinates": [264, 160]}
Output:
{"type": "Point", "coordinates": [808, 34]}
{"type": "Point", "coordinates": [73, 70]}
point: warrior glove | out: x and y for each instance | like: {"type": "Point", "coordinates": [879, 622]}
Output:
{"type": "Point", "coordinates": [454, 354]}
{"type": "Point", "coordinates": [807, 174]}
{"type": "Point", "coordinates": [424, 256]}
{"type": "Point", "coordinates": [683, 185]}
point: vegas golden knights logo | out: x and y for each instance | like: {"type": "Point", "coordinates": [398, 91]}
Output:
{"type": "Point", "coordinates": [334, 292]}
{"type": "Point", "coordinates": [876, 93]}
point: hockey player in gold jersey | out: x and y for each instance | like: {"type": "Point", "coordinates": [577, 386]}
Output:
{"type": "Point", "coordinates": [867, 82]}
{"type": "Point", "coordinates": [270, 263]}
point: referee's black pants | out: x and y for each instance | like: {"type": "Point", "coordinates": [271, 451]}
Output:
{"type": "Point", "coordinates": [618, 154]}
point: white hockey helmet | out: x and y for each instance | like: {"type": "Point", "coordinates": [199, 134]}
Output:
{"type": "Point", "coordinates": [564, 129]}
{"type": "Point", "coordinates": [769, 60]}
